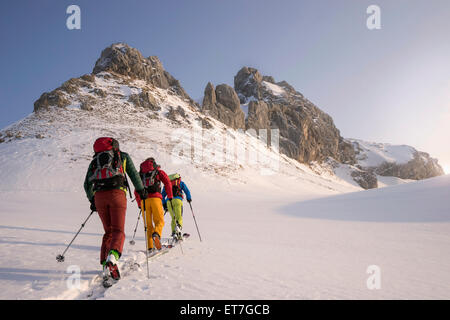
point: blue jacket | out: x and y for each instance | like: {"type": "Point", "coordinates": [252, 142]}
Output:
{"type": "Point", "coordinates": [183, 187]}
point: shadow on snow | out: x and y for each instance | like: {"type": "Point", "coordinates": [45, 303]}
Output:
{"type": "Point", "coordinates": [391, 204]}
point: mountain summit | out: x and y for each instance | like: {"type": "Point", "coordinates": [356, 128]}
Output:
{"type": "Point", "coordinates": [124, 60]}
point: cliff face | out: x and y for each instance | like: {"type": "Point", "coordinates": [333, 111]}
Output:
{"type": "Point", "coordinates": [222, 103]}
{"type": "Point", "coordinates": [306, 132]}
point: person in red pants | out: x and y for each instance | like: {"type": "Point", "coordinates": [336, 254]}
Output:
{"type": "Point", "coordinates": [106, 187]}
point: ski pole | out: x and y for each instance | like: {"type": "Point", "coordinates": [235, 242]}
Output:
{"type": "Point", "coordinates": [195, 222]}
{"type": "Point", "coordinates": [128, 186]}
{"type": "Point", "coordinates": [137, 223]}
{"type": "Point", "coordinates": [60, 257]}
{"type": "Point", "coordinates": [146, 238]}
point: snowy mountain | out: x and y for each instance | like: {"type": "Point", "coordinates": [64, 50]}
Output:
{"type": "Point", "coordinates": [147, 117]}
{"type": "Point", "coordinates": [125, 83]}
{"type": "Point", "coordinates": [272, 226]}
{"type": "Point", "coordinates": [308, 134]}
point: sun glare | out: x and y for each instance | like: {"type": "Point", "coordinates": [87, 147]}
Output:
{"type": "Point", "coordinates": [446, 169]}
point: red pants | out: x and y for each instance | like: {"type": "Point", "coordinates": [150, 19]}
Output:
{"type": "Point", "coordinates": [111, 206]}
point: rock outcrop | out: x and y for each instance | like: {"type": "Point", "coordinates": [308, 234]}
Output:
{"type": "Point", "coordinates": [124, 60]}
{"type": "Point", "coordinates": [222, 103]}
{"type": "Point", "coordinates": [399, 161]}
{"type": "Point", "coordinates": [306, 132]}
{"type": "Point", "coordinates": [366, 179]}
{"type": "Point", "coordinates": [145, 100]}
{"type": "Point", "coordinates": [60, 96]}
{"type": "Point", "coordinates": [258, 115]}
{"type": "Point", "coordinates": [422, 166]}
{"type": "Point", "coordinates": [54, 98]}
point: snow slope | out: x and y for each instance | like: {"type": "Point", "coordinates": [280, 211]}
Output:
{"type": "Point", "coordinates": [273, 88]}
{"type": "Point", "coordinates": [291, 232]}
{"type": "Point", "coordinates": [256, 245]}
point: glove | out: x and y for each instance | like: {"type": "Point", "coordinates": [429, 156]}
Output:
{"type": "Point", "coordinates": [165, 206]}
{"type": "Point", "coordinates": [93, 208]}
{"type": "Point", "coordinates": [189, 200]}
{"type": "Point", "coordinates": [143, 194]}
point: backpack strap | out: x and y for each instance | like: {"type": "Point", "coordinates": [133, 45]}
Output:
{"type": "Point", "coordinates": [127, 185]}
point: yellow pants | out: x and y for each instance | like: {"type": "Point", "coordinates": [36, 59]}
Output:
{"type": "Point", "coordinates": [154, 215]}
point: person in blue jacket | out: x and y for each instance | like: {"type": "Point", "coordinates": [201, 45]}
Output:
{"type": "Point", "coordinates": [175, 207]}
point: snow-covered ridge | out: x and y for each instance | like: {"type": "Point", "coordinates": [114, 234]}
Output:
{"type": "Point", "coordinates": [371, 154]}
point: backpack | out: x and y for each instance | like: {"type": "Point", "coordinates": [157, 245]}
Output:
{"type": "Point", "coordinates": [107, 169]}
{"type": "Point", "coordinates": [175, 179]}
{"type": "Point", "coordinates": [148, 172]}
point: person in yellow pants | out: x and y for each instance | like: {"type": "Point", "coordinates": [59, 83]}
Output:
{"type": "Point", "coordinates": [175, 207]}
{"type": "Point", "coordinates": [152, 176]}
{"type": "Point", "coordinates": [154, 220]}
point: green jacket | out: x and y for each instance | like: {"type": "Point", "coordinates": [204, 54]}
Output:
{"type": "Point", "coordinates": [128, 167]}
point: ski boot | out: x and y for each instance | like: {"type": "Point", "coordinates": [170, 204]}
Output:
{"type": "Point", "coordinates": [111, 264]}
{"type": "Point", "coordinates": [178, 233]}
{"type": "Point", "coordinates": [156, 240]}
{"type": "Point", "coordinates": [105, 272]}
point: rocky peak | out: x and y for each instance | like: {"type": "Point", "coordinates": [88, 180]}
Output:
{"type": "Point", "coordinates": [227, 97]}
{"type": "Point", "coordinates": [247, 83]}
{"type": "Point", "coordinates": [120, 61]}
{"type": "Point", "coordinates": [306, 132]}
{"type": "Point", "coordinates": [222, 103]}
{"type": "Point", "coordinates": [251, 85]}
{"type": "Point", "coordinates": [125, 60]}
{"type": "Point", "coordinates": [209, 97]}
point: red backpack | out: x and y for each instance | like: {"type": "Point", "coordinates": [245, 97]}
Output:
{"type": "Point", "coordinates": [175, 179]}
{"type": "Point", "coordinates": [107, 169]}
{"type": "Point", "coordinates": [149, 172]}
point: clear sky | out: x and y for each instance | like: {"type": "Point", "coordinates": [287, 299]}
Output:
{"type": "Point", "coordinates": [388, 85]}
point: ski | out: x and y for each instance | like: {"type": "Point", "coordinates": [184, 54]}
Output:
{"type": "Point", "coordinates": [156, 253]}
{"type": "Point", "coordinates": [108, 281]}
{"type": "Point", "coordinates": [173, 242]}
{"type": "Point", "coordinates": [127, 267]}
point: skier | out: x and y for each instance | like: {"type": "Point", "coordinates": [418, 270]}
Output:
{"type": "Point", "coordinates": [175, 206]}
{"type": "Point", "coordinates": [106, 187]}
{"type": "Point", "coordinates": [152, 176]}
